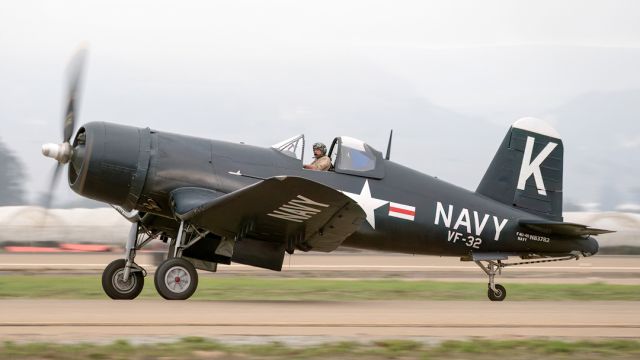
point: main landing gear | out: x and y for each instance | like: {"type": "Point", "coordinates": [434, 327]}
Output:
{"type": "Point", "coordinates": [494, 265]}
{"type": "Point", "coordinates": [175, 278]}
{"type": "Point", "coordinates": [123, 279]}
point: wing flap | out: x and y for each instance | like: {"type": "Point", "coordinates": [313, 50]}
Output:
{"type": "Point", "coordinates": [561, 228]}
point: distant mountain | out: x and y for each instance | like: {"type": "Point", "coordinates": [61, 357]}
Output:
{"type": "Point", "coordinates": [601, 134]}
{"type": "Point", "coordinates": [504, 83]}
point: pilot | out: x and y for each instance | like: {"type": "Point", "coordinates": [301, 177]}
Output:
{"type": "Point", "coordinates": [321, 161]}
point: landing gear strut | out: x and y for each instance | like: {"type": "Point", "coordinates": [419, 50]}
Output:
{"type": "Point", "coordinates": [123, 279]}
{"type": "Point", "coordinates": [495, 292]}
{"type": "Point", "coordinates": [176, 277]}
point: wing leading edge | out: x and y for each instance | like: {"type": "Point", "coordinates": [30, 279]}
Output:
{"type": "Point", "coordinates": [292, 210]}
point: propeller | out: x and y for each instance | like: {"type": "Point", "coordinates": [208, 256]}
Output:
{"type": "Point", "coordinates": [64, 152]}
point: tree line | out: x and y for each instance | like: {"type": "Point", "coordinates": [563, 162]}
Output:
{"type": "Point", "coordinates": [12, 176]}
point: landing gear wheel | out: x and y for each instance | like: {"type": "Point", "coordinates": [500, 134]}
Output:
{"type": "Point", "coordinates": [497, 295]}
{"type": "Point", "coordinates": [176, 279]}
{"type": "Point", "coordinates": [114, 285]}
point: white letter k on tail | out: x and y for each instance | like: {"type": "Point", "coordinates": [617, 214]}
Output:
{"type": "Point", "coordinates": [529, 167]}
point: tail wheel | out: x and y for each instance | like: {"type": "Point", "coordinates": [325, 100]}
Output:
{"type": "Point", "coordinates": [176, 279]}
{"type": "Point", "coordinates": [499, 294]}
{"type": "Point", "coordinates": [116, 287]}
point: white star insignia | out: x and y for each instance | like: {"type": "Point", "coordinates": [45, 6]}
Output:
{"type": "Point", "coordinates": [366, 202]}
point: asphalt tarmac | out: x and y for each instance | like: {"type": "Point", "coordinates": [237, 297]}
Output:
{"type": "Point", "coordinates": [105, 320]}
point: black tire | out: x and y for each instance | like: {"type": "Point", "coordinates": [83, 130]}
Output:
{"type": "Point", "coordinates": [116, 288]}
{"type": "Point", "coordinates": [497, 295]}
{"type": "Point", "coordinates": [176, 279]}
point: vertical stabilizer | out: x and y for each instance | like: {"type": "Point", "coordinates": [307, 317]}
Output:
{"type": "Point", "coordinates": [526, 172]}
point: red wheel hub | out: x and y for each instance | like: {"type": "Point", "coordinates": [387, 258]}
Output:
{"type": "Point", "coordinates": [177, 279]}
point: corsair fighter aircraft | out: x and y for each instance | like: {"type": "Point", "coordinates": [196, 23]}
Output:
{"type": "Point", "coordinates": [217, 202]}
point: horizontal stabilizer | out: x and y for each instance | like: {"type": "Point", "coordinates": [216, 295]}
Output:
{"type": "Point", "coordinates": [561, 228]}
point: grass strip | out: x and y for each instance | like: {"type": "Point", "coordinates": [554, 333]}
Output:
{"type": "Point", "coordinates": [198, 348]}
{"type": "Point", "coordinates": [243, 288]}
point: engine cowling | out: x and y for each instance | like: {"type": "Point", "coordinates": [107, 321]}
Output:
{"type": "Point", "coordinates": [109, 163]}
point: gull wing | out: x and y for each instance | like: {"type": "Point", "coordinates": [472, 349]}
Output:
{"type": "Point", "coordinates": [286, 209]}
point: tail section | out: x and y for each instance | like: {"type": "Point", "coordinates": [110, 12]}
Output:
{"type": "Point", "coordinates": [526, 172]}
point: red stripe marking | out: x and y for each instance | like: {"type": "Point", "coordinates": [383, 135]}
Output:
{"type": "Point", "coordinates": [31, 249]}
{"type": "Point", "coordinates": [402, 211]}
{"type": "Point", "coordinates": [85, 247]}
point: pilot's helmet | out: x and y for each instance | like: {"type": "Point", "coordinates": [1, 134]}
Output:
{"type": "Point", "coordinates": [320, 146]}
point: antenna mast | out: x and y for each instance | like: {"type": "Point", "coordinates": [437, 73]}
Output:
{"type": "Point", "coordinates": [389, 146]}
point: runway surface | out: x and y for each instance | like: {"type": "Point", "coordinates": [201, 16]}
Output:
{"type": "Point", "coordinates": [102, 320]}
{"type": "Point", "coordinates": [609, 269]}
{"type": "Point", "coordinates": [263, 321]}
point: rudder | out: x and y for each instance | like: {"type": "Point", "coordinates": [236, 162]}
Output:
{"type": "Point", "coordinates": [526, 171]}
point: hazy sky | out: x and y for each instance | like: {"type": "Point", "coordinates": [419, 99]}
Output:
{"type": "Point", "coordinates": [246, 27]}
{"type": "Point", "coordinates": [191, 67]}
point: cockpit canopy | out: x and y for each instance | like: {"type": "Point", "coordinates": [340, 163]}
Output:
{"type": "Point", "coordinates": [348, 155]}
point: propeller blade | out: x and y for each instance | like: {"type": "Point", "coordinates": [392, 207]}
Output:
{"type": "Point", "coordinates": [48, 197]}
{"type": "Point", "coordinates": [76, 68]}
{"type": "Point", "coordinates": [52, 185]}
{"type": "Point", "coordinates": [63, 152]}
